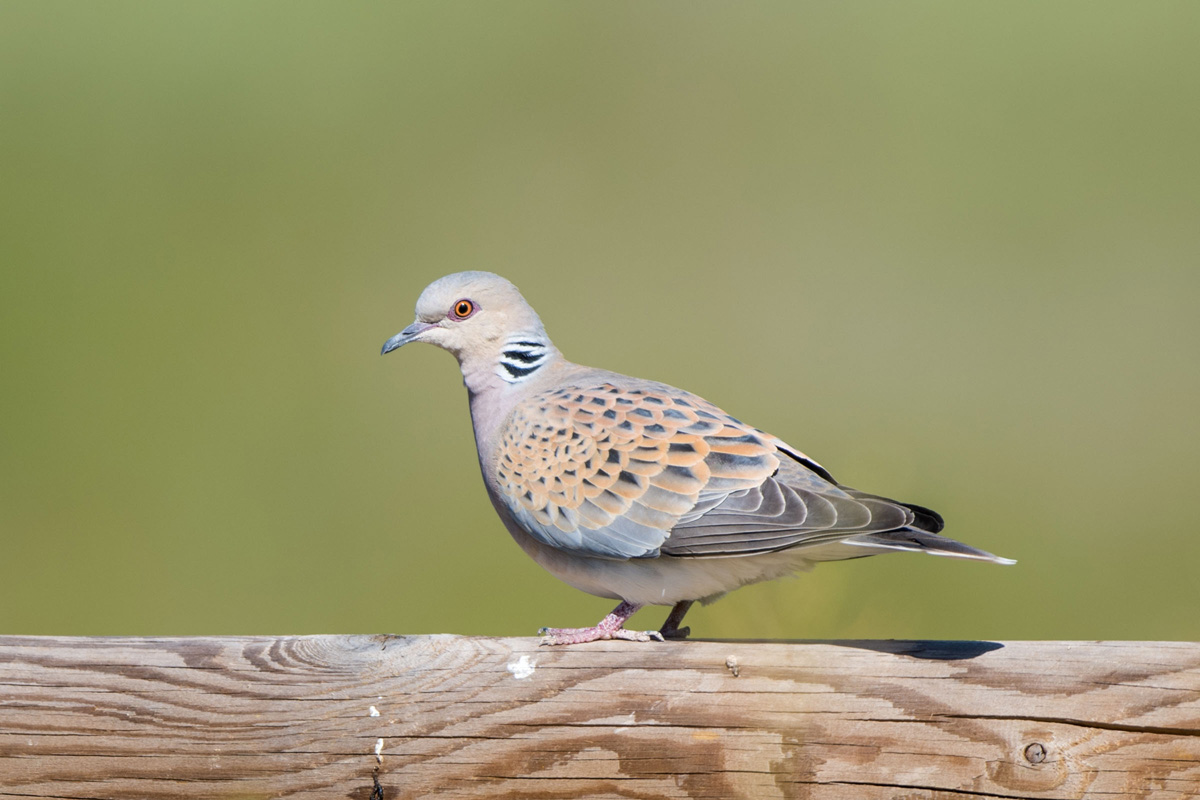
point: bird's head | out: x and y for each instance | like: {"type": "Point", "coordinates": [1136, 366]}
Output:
{"type": "Point", "coordinates": [479, 317]}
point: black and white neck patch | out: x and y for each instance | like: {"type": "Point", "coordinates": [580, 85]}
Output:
{"type": "Point", "coordinates": [521, 357]}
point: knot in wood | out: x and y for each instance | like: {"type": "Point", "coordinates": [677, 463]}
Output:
{"type": "Point", "coordinates": [1035, 753]}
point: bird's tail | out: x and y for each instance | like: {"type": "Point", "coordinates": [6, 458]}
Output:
{"type": "Point", "coordinates": [923, 541]}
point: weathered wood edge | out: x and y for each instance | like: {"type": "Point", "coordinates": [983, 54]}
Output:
{"type": "Point", "coordinates": [450, 716]}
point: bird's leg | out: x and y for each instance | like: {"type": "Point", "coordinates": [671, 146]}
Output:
{"type": "Point", "coordinates": [611, 627]}
{"type": "Point", "coordinates": [670, 628]}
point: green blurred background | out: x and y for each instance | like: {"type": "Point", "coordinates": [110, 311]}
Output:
{"type": "Point", "coordinates": [950, 250]}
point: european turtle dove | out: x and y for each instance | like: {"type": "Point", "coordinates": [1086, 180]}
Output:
{"type": "Point", "coordinates": [635, 490]}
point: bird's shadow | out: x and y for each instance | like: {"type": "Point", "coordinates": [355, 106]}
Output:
{"type": "Point", "coordinates": [930, 649]}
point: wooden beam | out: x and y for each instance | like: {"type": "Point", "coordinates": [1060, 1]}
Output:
{"type": "Point", "coordinates": [372, 717]}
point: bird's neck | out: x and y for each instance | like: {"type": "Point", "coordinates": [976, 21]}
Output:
{"type": "Point", "coordinates": [497, 381]}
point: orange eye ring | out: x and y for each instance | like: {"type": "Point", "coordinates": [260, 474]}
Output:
{"type": "Point", "coordinates": [463, 309]}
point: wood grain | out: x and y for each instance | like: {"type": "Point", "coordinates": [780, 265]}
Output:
{"type": "Point", "coordinates": [264, 717]}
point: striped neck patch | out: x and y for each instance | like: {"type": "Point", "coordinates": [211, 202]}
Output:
{"type": "Point", "coordinates": [521, 357]}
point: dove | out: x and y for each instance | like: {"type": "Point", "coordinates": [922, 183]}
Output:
{"type": "Point", "coordinates": [635, 490]}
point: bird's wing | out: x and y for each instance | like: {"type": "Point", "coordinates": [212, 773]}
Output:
{"type": "Point", "coordinates": [605, 470]}
{"type": "Point", "coordinates": [800, 507]}
{"type": "Point", "coordinates": [602, 470]}
{"type": "Point", "coordinates": [793, 508]}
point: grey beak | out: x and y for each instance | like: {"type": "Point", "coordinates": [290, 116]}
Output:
{"type": "Point", "coordinates": [405, 336]}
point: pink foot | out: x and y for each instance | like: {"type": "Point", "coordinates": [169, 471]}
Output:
{"type": "Point", "coordinates": [609, 628]}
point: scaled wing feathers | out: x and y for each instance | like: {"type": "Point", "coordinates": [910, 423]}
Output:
{"type": "Point", "coordinates": [608, 471]}
{"type": "Point", "coordinates": [601, 470]}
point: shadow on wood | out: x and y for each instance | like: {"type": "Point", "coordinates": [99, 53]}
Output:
{"type": "Point", "coordinates": [445, 716]}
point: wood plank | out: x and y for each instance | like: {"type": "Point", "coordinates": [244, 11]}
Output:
{"type": "Point", "coordinates": [259, 717]}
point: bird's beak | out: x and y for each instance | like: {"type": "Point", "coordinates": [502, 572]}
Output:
{"type": "Point", "coordinates": [405, 336]}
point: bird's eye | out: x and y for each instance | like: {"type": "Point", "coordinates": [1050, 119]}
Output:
{"type": "Point", "coordinates": [464, 309]}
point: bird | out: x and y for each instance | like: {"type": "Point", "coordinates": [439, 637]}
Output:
{"type": "Point", "coordinates": [637, 491]}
